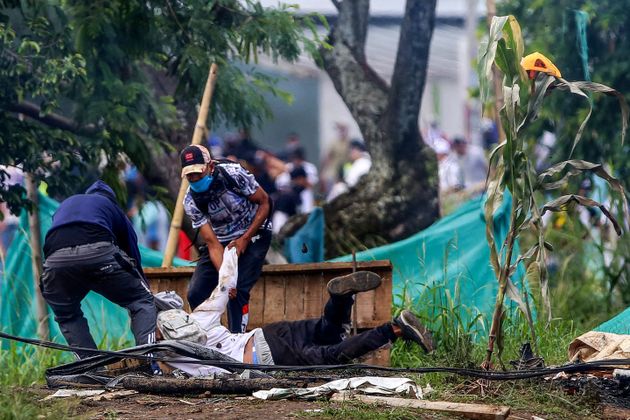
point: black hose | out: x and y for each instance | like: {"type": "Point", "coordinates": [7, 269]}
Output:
{"type": "Point", "coordinates": [475, 373]}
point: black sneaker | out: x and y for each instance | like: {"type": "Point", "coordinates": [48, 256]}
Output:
{"type": "Point", "coordinates": [413, 330]}
{"type": "Point", "coordinates": [360, 281]}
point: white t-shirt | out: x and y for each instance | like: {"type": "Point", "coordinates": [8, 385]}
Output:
{"type": "Point", "coordinates": [358, 168]}
{"type": "Point", "coordinates": [208, 315]}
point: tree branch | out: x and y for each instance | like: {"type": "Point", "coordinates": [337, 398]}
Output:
{"type": "Point", "coordinates": [34, 111]}
{"type": "Point", "coordinates": [411, 65]}
{"type": "Point", "coordinates": [346, 65]}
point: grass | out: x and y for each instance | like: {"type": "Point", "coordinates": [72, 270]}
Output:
{"type": "Point", "coordinates": [21, 368]}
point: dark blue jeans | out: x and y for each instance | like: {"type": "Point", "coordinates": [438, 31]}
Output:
{"type": "Point", "coordinates": [70, 273]}
{"type": "Point", "coordinates": [320, 341]}
{"type": "Point", "coordinates": [205, 279]}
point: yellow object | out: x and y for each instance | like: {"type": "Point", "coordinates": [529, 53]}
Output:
{"type": "Point", "coordinates": [536, 62]}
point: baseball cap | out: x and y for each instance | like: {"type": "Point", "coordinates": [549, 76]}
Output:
{"type": "Point", "coordinates": [194, 159]}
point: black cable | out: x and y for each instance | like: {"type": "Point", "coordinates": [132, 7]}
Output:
{"type": "Point", "coordinates": [476, 373]}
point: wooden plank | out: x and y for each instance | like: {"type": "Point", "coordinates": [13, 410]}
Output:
{"type": "Point", "coordinates": [378, 357]}
{"type": "Point", "coordinates": [471, 411]}
{"type": "Point", "coordinates": [294, 298]}
{"type": "Point", "coordinates": [273, 310]}
{"type": "Point", "coordinates": [257, 304]}
{"type": "Point", "coordinates": [313, 300]}
{"type": "Point", "coordinates": [365, 308]}
{"type": "Point", "coordinates": [326, 266]}
{"type": "Point", "coordinates": [375, 266]}
{"type": "Point", "coordinates": [383, 299]}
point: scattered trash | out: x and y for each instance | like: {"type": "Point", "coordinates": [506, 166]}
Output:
{"type": "Point", "coordinates": [188, 402]}
{"type": "Point", "coordinates": [65, 393]}
{"type": "Point", "coordinates": [112, 395]}
{"type": "Point", "coordinates": [527, 360]}
{"type": "Point", "coordinates": [365, 384]}
{"type": "Point", "coordinates": [595, 345]}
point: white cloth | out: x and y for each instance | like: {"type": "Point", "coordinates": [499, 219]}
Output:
{"type": "Point", "coordinates": [208, 315]}
{"type": "Point", "coordinates": [450, 173]}
{"type": "Point", "coordinates": [358, 168]}
{"type": "Point", "coordinates": [364, 384]}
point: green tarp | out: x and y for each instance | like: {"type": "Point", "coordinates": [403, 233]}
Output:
{"type": "Point", "coordinates": [109, 323]}
{"type": "Point", "coordinates": [448, 265]}
{"type": "Point", "coordinates": [619, 324]}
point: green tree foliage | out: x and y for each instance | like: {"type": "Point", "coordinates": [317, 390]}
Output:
{"type": "Point", "coordinates": [552, 28]}
{"type": "Point", "coordinates": [79, 81]}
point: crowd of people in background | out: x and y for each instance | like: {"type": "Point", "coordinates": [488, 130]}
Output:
{"type": "Point", "coordinates": [296, 184]}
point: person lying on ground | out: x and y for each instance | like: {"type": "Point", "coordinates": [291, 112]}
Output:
{"type": "Point", "coordinates": [307, 342]}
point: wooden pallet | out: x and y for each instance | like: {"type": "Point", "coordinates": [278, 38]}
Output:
{"type": "Point", "coordinates": [290, 292]}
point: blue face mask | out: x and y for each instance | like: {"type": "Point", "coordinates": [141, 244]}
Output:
{"type": "Point", "coordinates": [202, 185]}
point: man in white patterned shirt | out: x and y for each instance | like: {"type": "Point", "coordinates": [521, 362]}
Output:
{"type": "Point", "coordinates": [230, 209]}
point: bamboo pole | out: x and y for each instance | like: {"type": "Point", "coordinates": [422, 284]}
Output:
{"type": "Point", "coordinates": [198, 135]}
{"type": "Point", "coordinates": [43, 331]}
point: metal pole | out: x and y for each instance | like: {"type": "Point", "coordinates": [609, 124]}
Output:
{"type": "Point", "coordinates": [43, 331]}
{"type": "Point", "coordinates": [198, 135]}
{"type": "Point", "coordinates": [354, 307]}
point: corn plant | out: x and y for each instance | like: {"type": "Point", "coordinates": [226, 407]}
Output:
{"type": "Point", "coordinates": [512, 169]}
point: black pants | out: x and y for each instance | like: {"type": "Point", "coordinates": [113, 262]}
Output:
{"type": "Point", "coordinates": [320, 341]}
{"type": "Point", "coordinates": [205, 279]}
{"type": "Point", "coordinates": [70, 273]}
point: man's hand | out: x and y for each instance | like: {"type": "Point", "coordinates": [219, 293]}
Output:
{"type": "Point", "coordinates": [232, 293]}
{"type": "Point", "coordinates": [240, 244]}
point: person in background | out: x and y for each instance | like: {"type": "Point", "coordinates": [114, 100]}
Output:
{"type": "Point", "coordinates": [92, 246]}
{"type": "Point", "coordinates": [359, 163]}
{"type": "Point", "coordinates": [293, 143]}
{"type": "Point", "coordinates": [297, 199]}
{"type": "Point", "coordinates": [451, 177]}
{"type": "Point", "coordinates": [230, 209]}
{"type": "Point", "coordinates": [337, 156]}
{"type": "Point", "coordinates": [472, 163]}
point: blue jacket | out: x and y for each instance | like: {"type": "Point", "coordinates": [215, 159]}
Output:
{"type": "Point", "coordinates": [98, 206]}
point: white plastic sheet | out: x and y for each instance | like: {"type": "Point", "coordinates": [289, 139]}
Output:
{"type": "Point", "coordinates": [366, 384]}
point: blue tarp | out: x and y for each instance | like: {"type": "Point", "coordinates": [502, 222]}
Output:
{"type": "Point", "coordinates": [307, 245]}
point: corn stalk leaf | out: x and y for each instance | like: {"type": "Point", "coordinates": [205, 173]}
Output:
{"type": "Point", "coordinates": [563, 202]}
{"type": "Point", "coordinates": [579, 88]}
{"type": "Point", "coordinates": [541, 83]}
{"type": "Point", "coordinates": [493, 202]}
{"type": "Point", "coordinates": [510, 50]}
{"type": "Point", "coordinates": [487, 54]}
{"type": "Point", "coordinates": [511, 99]}
{"type": "Point", "coordinates": [623, 104]}
{"type": "Point", "coordinates": [576, 167]}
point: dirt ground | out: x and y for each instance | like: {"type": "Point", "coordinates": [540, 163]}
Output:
{"type": "Point", "coordinates": [146, 406]}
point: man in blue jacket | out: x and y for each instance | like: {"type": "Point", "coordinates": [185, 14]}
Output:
{"type": "Point", "coordinates": [92, 246]}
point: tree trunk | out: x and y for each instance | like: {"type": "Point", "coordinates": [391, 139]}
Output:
{"type": "Point", "coordinates": [164, 385]}
{"type": "Point", "coordinates": [399, 196]}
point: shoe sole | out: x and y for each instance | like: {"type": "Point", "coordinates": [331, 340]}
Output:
{"type": "Point", "coordinates": [360, 281]}
{"type": "Point", "coordinates": [425, 337]}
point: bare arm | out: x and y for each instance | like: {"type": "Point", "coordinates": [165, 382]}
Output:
{"type": "Point", "coordinates": [261, 198]}
{"type": "Point", "coordinates": [215, 249]}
